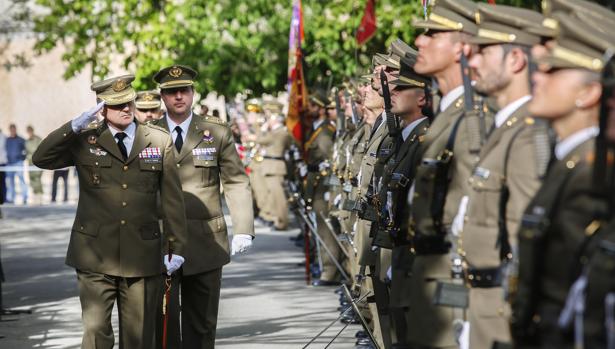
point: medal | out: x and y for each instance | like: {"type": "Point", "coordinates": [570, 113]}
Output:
{"type": "Point", "coordinates": [207, 137]}
{"type": "Point", "coordinates": [92, 139]}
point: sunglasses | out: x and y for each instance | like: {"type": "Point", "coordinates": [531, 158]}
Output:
{"type": "Point", "coordinates": [119, 106]}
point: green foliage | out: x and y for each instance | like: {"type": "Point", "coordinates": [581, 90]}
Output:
{"type": "Point", "coordinates": [236, 45]}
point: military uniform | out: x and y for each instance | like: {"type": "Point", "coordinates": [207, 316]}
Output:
{"type": "Point", "coordinates": [431, 325]}
{"type": "Point", "coordinates": [275, 142]}
{"type": "Point", "coordinates": [115, 244]}
{"type": "Point", "coordinates": [561, 220]}
{"type": "Point", "coordinates": [319, 148]}
{"type": "Point", "coordinates": [501, 185]}
{"type": "Point", "coordinates": [206, 160]}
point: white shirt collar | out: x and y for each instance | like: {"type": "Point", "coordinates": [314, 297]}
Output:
{"type": "Point", "coordinates": [406, 131]}
{"type": "Point", "coordinates": [129, 131]}
{"type": "Point", "coordinates": [317, 123]}
{"type": "Point", "coordinates": [184, 126]}
{"type": "Point", "coordinates": [565, 146]}
{"type": "Point", "coordinates": [450, 97]}
{"type": "Point", "coordinates": [508, 110]}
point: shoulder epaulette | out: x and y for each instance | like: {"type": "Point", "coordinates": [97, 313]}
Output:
{"type": "Point", "coordinates": [151, 124]}
{"type": "Point", "coordinates": [214, 120]}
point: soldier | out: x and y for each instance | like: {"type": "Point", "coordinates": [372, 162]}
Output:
{"type": "Point", "coordinates": [148, 106]}
{"type": "Point", "coordinates": [35, 176]}
{"type": "Point", "coordinates": [116, 244]}
{"type": "Point", "coordinates": [508, 173]}
{"type": "Point", "coordinates": [318, 150]}
{"type": "Point", "coordinates": [408, 99]}
{"type": "Point", "coordinates": [442, 175]}
{"type": "Point", "coordinates": [206, 159]}
{"type": "Point", "coordinates": [275, 144]}
{"type": "Point", "coordinates": [560, 220]}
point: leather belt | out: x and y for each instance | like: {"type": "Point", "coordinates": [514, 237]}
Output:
{"type": "Point", "coordinates": [312, 168]}
{"type": "Point", "coordinates": [430, 245]}
{"type": "Point", "coordinates": [484, 277]}
{"type": "Point", "coordinates": [273, 157]}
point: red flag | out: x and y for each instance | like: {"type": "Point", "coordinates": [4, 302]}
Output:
{"type": "Point", "coordinates": [297, 90]}
{"type": "Point", "coordinates": [367, 28]}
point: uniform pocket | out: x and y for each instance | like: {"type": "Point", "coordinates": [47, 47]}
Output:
{"type": "Point", "coordinates": [209, 170]}
{"type": "Point", "coordinates": [214, 225]}
{"type": "Point", "coordinates": [90, 229]}
{"type": "Point", "coordinates": [150, 231]}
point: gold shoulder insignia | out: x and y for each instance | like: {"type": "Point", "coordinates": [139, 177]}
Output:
{"type": "Point", "coordinates": [459, 103]}
{"type": "Point", "coordinates": [530, 120]}
{"type": "Point", "coordinates": [214, 120]}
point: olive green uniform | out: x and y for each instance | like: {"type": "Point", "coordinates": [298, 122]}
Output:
{"type": "Point", "coordinates": [115, 243]}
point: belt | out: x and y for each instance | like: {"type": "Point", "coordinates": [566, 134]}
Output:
{"type": "Point", "coordinates": [273, 157]}
{"type": "Point", "coordinates": [354, 181]}
{"type": "Point", "coordinates": [484, 277]}
{"type": "Point", "coordinates": [430, 245]}
{"type": "Point", "coordinates": [312, 168]}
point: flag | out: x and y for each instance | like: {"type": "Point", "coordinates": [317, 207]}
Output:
{"type": "Point", "coordinates": [297, 90]}
{"type": "Point", "coordinates": [367, 28]}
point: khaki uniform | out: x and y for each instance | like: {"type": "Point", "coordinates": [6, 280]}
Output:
{"type": "Point", "coordinates": [116, 242]}
{"type": "Point", "coordinates": [555, 226]}
{"type": "Point", "coordinates": [208, 159]}
{"type": "Point", "coordinates": [319, 148]}
{"type": "Point", "coordinates": [35, 176]}
{"type": "Point", "coordinates": [273, 167]}
{"type": "Point", "coordinates": [432, 325]}
{"type": "Point", "coordinates": [507, 158]}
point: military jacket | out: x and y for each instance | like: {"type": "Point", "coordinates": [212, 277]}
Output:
{"type": "Point", "coordinates": [275, 144]}
{"type": "Point", "coordinates": [507, 158]}
{"type": "Point", "coordinates": [207, 160]}
{"type": "Point", "coordinates": [555, 226]}
{"type": "Point", "coordinates": [116, 229]}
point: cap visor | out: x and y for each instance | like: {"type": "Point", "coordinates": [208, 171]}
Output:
{"type": "Point", "coordinates": [147, 105]}
{"type": "Point", "coordinates": [479, 40]}
{"type": "Point", "coordinates": [427, 24]}
{"type": "Point", "coordinates": [112, 100]}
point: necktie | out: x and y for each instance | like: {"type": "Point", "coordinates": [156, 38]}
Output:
{"type": "Point", "coordinates": [376, 125]}
{"type": "Point", "coordinates": [179, 141]}
{"type": "Point", "coordinates": [120, 143]}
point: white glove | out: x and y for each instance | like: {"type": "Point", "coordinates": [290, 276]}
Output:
{"type": "Point", "coordinates": [337, 200]}
{"type": "Point", "coordinates": [457, 226]}
{"type": "Point", "coordinates": [323, 166]}
{"type": "Point", "coordinates": [327, 196]}
{"type": "Point", "coordinates": [303, 170]}
{"type": "Point", "coordinates": [390, 273]}
{"type": "Point", "coordinates": [241, 243]}
{"type": "Point", "coordinates": [174, 264]}
{"type": "Point", "coordinates": [83, 120]}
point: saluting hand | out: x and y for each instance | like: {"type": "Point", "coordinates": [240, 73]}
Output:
{"type": "Point", "coordinates": [83, 120]}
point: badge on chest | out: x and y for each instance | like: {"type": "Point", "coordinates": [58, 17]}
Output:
{"type": "Point", "coordinates": [151, 155]}
{"type": "Point", "coordinates": [207, 153]}
{"type": "Point", "coordinates": [97, 152]}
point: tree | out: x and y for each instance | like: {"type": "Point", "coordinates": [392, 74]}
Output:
{"type": "Point", "coordinates": [236, 45]}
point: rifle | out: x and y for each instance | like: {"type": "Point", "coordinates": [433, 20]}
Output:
{"type": "Point", "coordinates": [603, 182]}
{"type": "Point", "coordinates": [354, 117]}
{"type": "Point", "coordinates": [341, 118]}
{"type": "Point", "coordinates": [392, 120]}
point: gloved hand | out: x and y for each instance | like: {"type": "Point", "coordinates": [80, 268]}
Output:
{"type": "Point", "coordinates": [302, 169]}
{"type": "Point", "coordinates": [174, 264]}
{"type": "Point", "coordinates": [390, 273]}
{"type": "Point", "coordinates": [83, 120]}
{"type": "Point", "coordinates": [241, 243]}
{"type": "Point", "coordinates": [323, 166]}
{"type": "Point", "coordinates": [327, 196]}
{"type": "Point", "coordinates": [457, 226]}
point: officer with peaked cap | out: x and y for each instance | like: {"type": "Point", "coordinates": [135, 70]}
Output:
{"type": "Point", "coordinates": [148, 106]}
{"type": "Point", "coordinates": [115, 243]}
{"type": "Point", "coordinates": [561, 219]}
{"type": "Point", "coordinates": [206, 159]}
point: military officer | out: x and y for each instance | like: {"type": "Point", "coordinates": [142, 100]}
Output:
{"type": "Point", "coordinates": [318, 150]}
{"type": "Point", "coordinates": [561, 218]}
{"type": "Point", "coordinates": [205, 158]}
{"type": "Point", "coordinates": [408, 98]}
{"type": "Point", "coordinates": [507, 175]}
{"type": "Point", "coordinates": [275, 143]}
{"type": "Point", "coordinates": [148, 106]}
{"type": "Point", "coordinates": [442, 174]}
{"type": "Point", "coordinates": [115, 243]}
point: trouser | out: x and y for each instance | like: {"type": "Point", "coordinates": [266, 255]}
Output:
{"type": "Point", "coordinates": [277, 205]}
{"type": "Point", "coordinates": [2, 185]}
{"type": "Point", "coordinates": [35, 182]}
{"type": "Point", "coordinates": [200, 296]}
{"type": "Point", "coordinates": [57, 174]}
{"type": "Point", "coordinates": [11, 189]}
{"type": "Point", "coordinates": [329, 272]}
{"type": "Point", "coordinates": [137, 300]}
{"type": "Point", "coordinates": [489, 317]}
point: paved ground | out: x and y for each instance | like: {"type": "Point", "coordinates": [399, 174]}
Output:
{"type": "Point", "coordinates": [265, 302]}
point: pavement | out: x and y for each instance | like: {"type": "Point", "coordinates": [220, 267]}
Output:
{"type": "Point", "coordinates": [265, 302]}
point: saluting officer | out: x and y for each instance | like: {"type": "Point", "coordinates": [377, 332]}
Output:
{"type": "Point", "coordinates": [205, 158]}
{"type": "Point", "coordinates": [115, 243]}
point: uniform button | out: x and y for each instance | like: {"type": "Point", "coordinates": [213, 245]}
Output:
{"type": "Point", "coordinates": [123, 222]}
{"type": "Point", "coordinates": [96, 163]}
{"type": "Point", "coordinates": [178, 165]}
{"type": "Point", "coordinates": [64, 134]}
{"type": "Point", "coordinates": [125, 168]}
{"type": "Point", "coordinates": [81, 227]}
{"type": "Point", "coordinates": [124, 186]}
{"type": "Point", "coordinates": [124, 203]}
{"type": "Point", "coordinates": [153, 167]}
